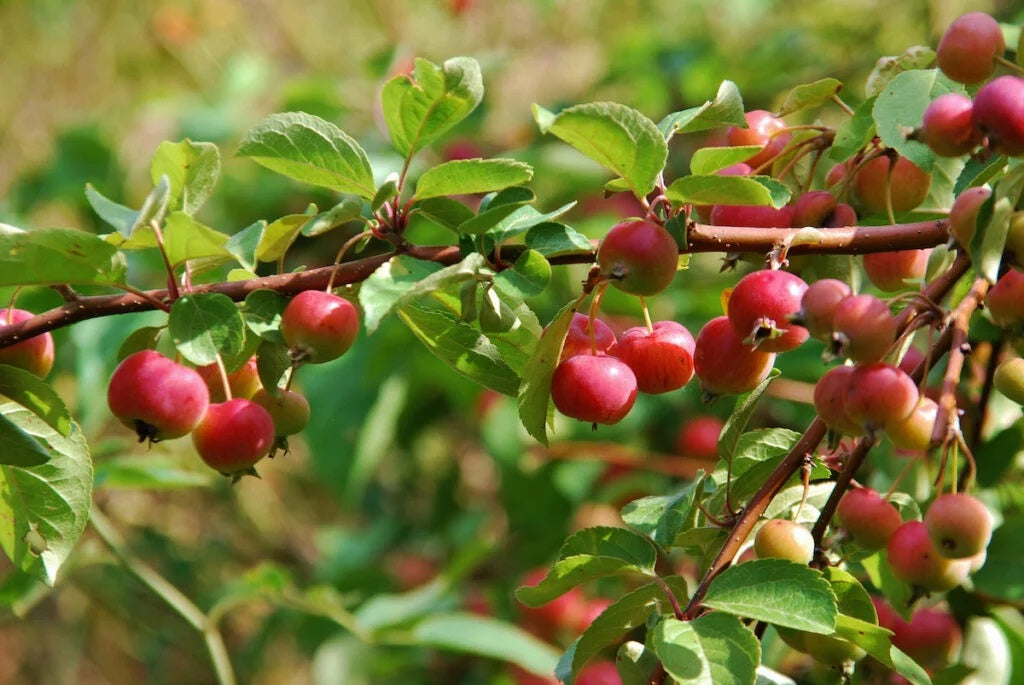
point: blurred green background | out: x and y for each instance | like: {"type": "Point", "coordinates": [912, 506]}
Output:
{"type": "Point", "coordinates": [407, 471]}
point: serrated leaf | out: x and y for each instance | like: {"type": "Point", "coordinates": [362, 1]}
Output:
{"type": "Point", "coordinates": [467, 176]}
{"type": "Point", "coordinates": [989, 241]}
{"type": "Point", "coordinates": [529, 275]}
{"type": "Point", "coordinates": [154, 207]}
{"type": "Point", "coordinates": [58, 255]}
{"type": "Point", "coordinates": [242, 245]}
{"type": "Point", "coordinates": [388, 191]}
{"type": "Point", "coordinates": [50, 500]}
{"type": "Point", "coordinates": [1000, 577]}
{"type": "Point", "coordinates": [876, 641]}
{"type": "Point", "coordinates": [186, 239]}
{"type": "Point", "coordinates": [613, 135]}
{"type": "Point", "coordinates": [262, 314]}
{"type": "Point", "coordinates": [534, 397]}
{"type": "Point", "coordinates": [421, 108]}
{"type": "Point", "coordinates": [121, 218]}
{"type": "Point", "coordinates": [854, 133]}
{"type": "Point", "coordinates": [146, 473]}
{"type": "Point", "coordinates": [500, 209]}
{"type": "Point", "coordinates": [715, 648]}
{"type": "Point", "coordinates": [522, 220]}
{"type": "Point", "coordinates": [461, 346]}
{"type": "Point", "coordinates": [205, 325]}
{"type": "Point", "coordinates": [978, 171]}
{"type": "Point", "coordinates": [191, 168]}
{"type": "Point", "coordinates": [900, 105]}
{"type": "Point", "coordinates": [552, 239]}
{"type": "Point", "coordinates": [306, 148]}
{"type": "Point", "coordinates": [272, 360]}
{"type": "Point", "coordinates": [443, 211]}
{"type": "Point", "coordinates": [809, 95]}
{"type": "Point", "coordinates": [278, 237]}
{"type": "Point", "coordinates": [728, 190]}
{"type": "Point", "coordinates": [636, 663]}
{"type": "Point", "coordinates": [18, 448]}
{"type": "Point", "coordinates": [725, 110]}
{"type": "Point", "coordinates": [37, 396]}
{"type": "Point", "coordinates": [761, 444]}
{"type": "Point", "coordinates": [888, 68]}
{"type": "Point", "coordinates": [663, 517]}
{"type": "Point", "coordinates": [708, 160]}
{"type": "Point", "coordinates": [351, 207]}
{"type": "Point", "coordinates": [776, 591]}
{"type": "Point", "coordinates": [486, 636]}
{"type": "Point", "coordinates": [728, 439]}
{"type": "Point", "coordinates": [624, 615]}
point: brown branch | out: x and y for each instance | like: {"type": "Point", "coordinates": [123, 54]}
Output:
{"type": "Point", "coordinates": [847, 240]}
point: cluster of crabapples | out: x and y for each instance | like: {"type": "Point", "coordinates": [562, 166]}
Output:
{"type": "Point", "coordinates": [234, 421]}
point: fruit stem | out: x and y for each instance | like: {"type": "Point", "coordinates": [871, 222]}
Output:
{"type": "Point", "coordinates": [595, 307]}
{"type": "Point", "coordinates": [223, 373]}
{"type": "Point", "coordinates": [10, 306]}
{"type": "Point", "coordinates": [163, 589]}
{"type": "Point", "coordinates": [842, 105]}
{"type": "Point", "coordinates": [172, 284]}
{"type": "Point", "coordinates": [899, 477]}
{"type": "Point", "coordinates": [341, 253]}
{"type": "Point", "coordinates": [1010, 64]}
{"type": "Point", "coordinates": [647, 314]}
{"type": "Point", "coordinates": [954, 467]}
{"type": "Point", "coordinates": [888, 192]}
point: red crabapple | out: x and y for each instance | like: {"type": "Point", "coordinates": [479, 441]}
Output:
{"type": "Point", "coordinates": [233, 436]}
{"type": "Point", "coordinates": [156, 397]}
{"type": "Point", "coordinates": [1005, 300]}
{"type": "Point", "coordinates": [914, 433]}
{"type": "Point", "coordinates": [932, 638]}
{"type": "Point", "coordinates": [999, 114]}
{"type": "Point", "coordinates": [243, 381]}
{"type": "Point", "coordinates": [908, 184]}
{"type": "Point", "coordinates": [661, 359]}
{"type": "Point", "coordinates": [890, 271]}
{"type": "Point", "coordinates": [761, 306]}
{"type": "Point", "coordinates": [963, 215]}
{"type": "Point", "coordinates": [34, 354]}
{"type": "Point", "coordinates": [968, 49]}
{"type": "Point", "coordinates": [813, 208]}
{"type": "Point", "coordinates": [638, 257]}
{"type": "Point", "coordinates": [868, 518]}
{"type": "Point", "coordinates": [596, 388]}
{"type": "Point", "coordinates": [863, 328]}
{"type": "Point", "coordinates": [758, 216]}
{"type": "Point", "coordinates": [698, 437]}
{"type": "Point", "coordinates": [319, 326]}
{"type": "Point", "coordinates": [578, 337]}
{"type": "Point", "coordinates": [914, 559]}
{"type": "Point", "coordinates": [724, 365]}
{"type": "Point", "coordinates": [763, 129]}
{"type": "Point", "coordinates": [818, 304]}
{"type": "Point", "coordinates": [959, 525]}
{"type": "Point", "coordinates": [946, 126]}
{"type": "Point", "coordinates": [830, 400]}
{"type": "Point", "coordinates": [880, 394]}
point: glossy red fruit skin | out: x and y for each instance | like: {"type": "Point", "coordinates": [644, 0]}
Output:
{"type": "Point", "coordinates": [738, 169]}
{"type": "Point", "coordinates": [959, 525]}
{"type": "Point", "coordinates": [863, 328]}
{"type": "Point", "coordinates": [661, 360]}
{"type": "Point", "coordinates": [783, 539]}
{"type": "Point", "coordinates": [843, 216]}
{"type": "Point", "coordinates": [946, 126]}
{"type": "Point", "coordinates": [914, 559]}
{"type": "Point", "coordinates": [914, 433]}
{"type": "Point", "coordinates": [819, 303]}
{"type": "Point", "coordinates": [319, 326]}
{"type": "Point", "coordinates": [766, 300]}
{"type": "Point", "coordinates": [889, 271]}
{"type": "Point", "coordinates": [969, 47]}
{"type": "Point", "coordinates": [698, 437]}
{"type": "Point", "coordinates": [243, 381]}
{"type": "Point", "coordinates": [724, 365]}
{"type": "Point", "coordinates": [234, 435]}
{"type": "Point", "coordinates": [577, 339]}
{"type": "Point", "coordinates": [594, 388]}
{"type": "Point", "coordinates": [598, 673]}
{"type": "Point", "coordinates": [638, 257]}
{"type": "Point", "coordinates": [999, 114]}
{"type": "Point", "coordinates": [762, 130]}
{"type": "Point", "coordinates": [880, 394]}
{"type": "Point", "coordinates": [157, 397]}
{"type": "Point", "coordinates": [963, 215]}
{"type": "Point", "coordinates": [34, 354]}
{"type": "Point", "coordinates": [565, 612]}
{"type": "Point", "coordinates": [1005, 301]}
{"type": "Point", "coordinates": [289, 410]}
{"type": "Point", "coordinates": [932, 638]}
{"type": "Point", "coordinates": [758, 216]}
{"type": "Point", "coordinates": [813, 208]}
{"type": "Point", "coordinates": [830, 400]}
{"type": "Point", "coordinates": [910, 184]}
{"type": "Point", "coordinates": [868, 518]}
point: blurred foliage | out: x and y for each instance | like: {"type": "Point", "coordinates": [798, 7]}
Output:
{"type": "Point", "coordinates": [407, 469]}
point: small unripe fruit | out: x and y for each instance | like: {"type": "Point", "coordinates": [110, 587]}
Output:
{"type": "Point", "coordinates": [595, 388]}
{"type": "Point", "coordinates": [578, 337]}
{"type": "Point", "coordinates": [34, 354]}
{"type": "Point", "coordinates": [289, 410]}
{"type": "Point", "coordinates": [914, 433]}
{"type": "Point", "coordinates": [880, 394]}
{"type": "Point", "coordinates": [946, 126]}
{"type": "Point", "coordinates": [761, 306]}
{"type": "Point", "coordinates": [963, 215]}
{"type": "Point", "coordinates": [863, 328]}
{"type": "Point", "coordinates": [830, 400]}
{"type": "Point", "coordinates": [890, 271]}
{"type": "Point", "coordinates": [318, 326]}
{"type": "Point", "coordinates": [999, 114]}
{"type": "Point", "coordinates": [1009, 379]}
{"type": "Point", "coordinates": [638, 257]}
{"type": "Point", "coordinates": [959, 525]}
{"type": "Point", "coordinates": [869, 519]}
{"type": "Point", "coordinates": [908, 184]}
{"type": "Point", "coordinates": [698, 437]}
{"type": "Point", "coordinates": [661, 359]}
{"type": "Point", "coordinates": [763, 129]}
{"type": "Point", "coordinates": [969, 47]}
{"type": "Point", "coordinates": [233, 436]}
{"type": "Point", "coordinates": [932, 638]}
{"type": "Point", "coordinates": [783, 539]}
{"type": "Point", "coordinates": [1005, 300]}
{"type": "Point", "coordinates": [156, 397]}
{"type": "Point", "coordinates": [832, 651]}
{"type": "Point", "coordinates": [724, 365]}
{"type": "Point", "coordinates": [914, 559]}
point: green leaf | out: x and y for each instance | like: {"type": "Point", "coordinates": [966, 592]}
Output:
{"type": "Point", "coordinates": [404, 279]}
{"type": "Point", "coordinates": [154, 207]}
{"type": "Point", "coordinates": [262, 314]}
{"type": "Point", "coordinates": [421, 108]}
{"type": "Point", "coordinates": [18, 448]}
{"type": "Point", "coordinates": [624, 615]}
{"type": "Point", "coordinates": [715, 648]}
{"type": "Point", "coordinates": [523, 220]}
{"type": "Point", "coordinates": [205, 325]}
{"type": "Point", "coordinates": [725, 110]}
{"type": "Point", "coordinates": [242, 245]}
{"type": "Point", "coordinates": [147, 473]}
{"type": "Point", "coordinates": [761, 444]}
{"type": "Point", "coordinates": [663, 517]}
{"type": "Point", "coordinates": [272, 360]}
{"type": "Point", "coordinates": [308, 149]}
{"type": "Point", "coordinates": [58, 255]}
{"type": "Point", "coordinates": [191, 168]}
{"type": "Point", "coordinates": [529, 275]}
{"type": "Point", "coordinates": [467, 176]}
{"type": "Point", "coordinates": [186, 239]}
{"type": "Point", "coordinates": [731, 190]}
{"type": "Point", "coordinates": [876, 641]}
{"type": "Point", "coordinates": [44, 508]}
{"type": "Point", "coordinates": [443, 211]}
{"type": "Point", "coordinates": [388, 191]}
{"type": "Point", "coordinates": [979, 171]}
{"type": "Point", "coordinates": [1000, 577]}
{"type": "Point", "coordinates": [708, 160]}
{"type": "Point", "coordinates": [117, 215]}
{"type": "Point", "coordinates": [500, 210]}
{"type": "Point", "coordinates": [552, 239]}
{"type": "Point", "coordinates": [534, 397]}
{"type": "Point", "coordinates": [854, 133]}
{"type": "Point", "coordinates": [809, 95]}
{"type": "Point", "coordinates": [729, 438]}
{"type": "Point", "coordinates": [989, 242]}
{"type": "Point", "coordinates": [636, 663]}
{"type": "Point", "coordinates": [34, 394]}
{"type": "Point", "coordinates": [888, 68]}
{"type": "Point", "coordinates": [486, 636]}
{"type": "Point", "coordinates": [278, 236]}
{"type": "Point", "coordinates": [776, 591]}
{"type": "Point", "coordinates": [901, 104]}
{"type": "Point", "coordinates": [591, 553]}
{"type": "Point", "coordinates": [351, 207]}
{"type": "Point", "coordinates": [461, 346]}
{"type": "Point", "coordinates": [613, 135]}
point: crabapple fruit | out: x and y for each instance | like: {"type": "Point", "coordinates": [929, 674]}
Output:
{"type": "Point", "coordinates": [868, 518]}
{"type": "Point", "coordinates": [1009, 379]}
{"type": "Point", "coordinates": [968, 49]}
{"type": "Point", "coordinates": [818, 304]}
{"type": "Point", "coordinates": [830, 400]}
{"type": "Point", "coordinates": [999, 114]}
{"type": "Point", "coordinates": [784, 539]}
{"type": "Point", "coordinates": [34, 354]}
{"type": "Point", "coordinates": [813, 208]}
{"type": "Point", "coordinates": [907, 184]}
{"type": "Point", "coordinates": [233, 436]}
{"type": "Point", "coordinates": [698, 437]}
{"type": "Point", "coordinates": [289, 410]}
{"type": "Point", "coordinates": [931, 637]}
{"type": "Point", "coordinates": [243, 381]}
{"type": "Point", "coordinates": [761, 306]}
{"type": "Point", "coordinates": [914, 433]}
{"type": "Point", "coordinates": [724, 365]}
{"type": "Point", "coordinates": [946, 126]}
{"type": "Point", "coordinates": [638, 257]}
{"type": "Point", "coordinates": [1005, 300]}
{"type": "Point", "coordinates": [661, 359]}
{"type": "Point", "coordinates": [758, 216]}
{"type": "Point", "coordinates": [914, 559]}
{"type": "Point", "coordinates": [764, 129]}
{"type": "Point", "coordinates": [578, 338]}
{"type": "Point", "coordinates": [597, 388]}
{"type": "Point", "coordinates": [319, 326]}
{"type": "Point", "coordinates": [890, 271]}
{"type": "Point", "coordinates": [863, 328]}
{"type": "Point", "coordinates": [963, 215]}
{"type": "Point", "coordinates": [157, 397]}
{"type": "Point", "coordinates": [959, 525]}
{"type": "Point", "coordinates": [880, 394]}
